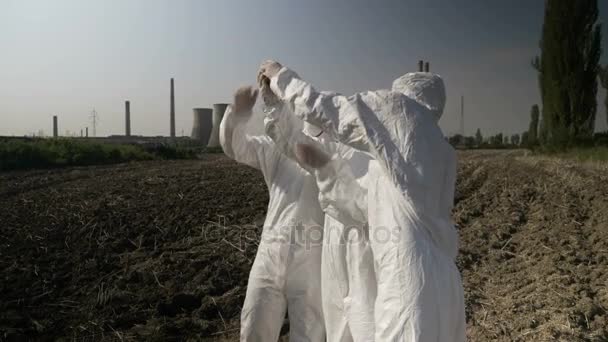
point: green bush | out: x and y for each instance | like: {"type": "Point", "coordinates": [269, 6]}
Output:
{"type": "Point", "coordinates": [599, 154]}
{"type": "Point", "coordinates": [583, 154]}
{"type": "Point", "coordinates": [172, 152]}
{"type": "Point", "coordinates": [46, 153]}
{"type": "Point", "coordinates": [214, 150]}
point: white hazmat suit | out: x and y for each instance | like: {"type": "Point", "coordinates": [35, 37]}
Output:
{"type": "Point", "coordinates": [286, 271]}
{"type": "Point", "coordinates": [414, 243]}
{"type": "Point", "coordinates": [348, 283]}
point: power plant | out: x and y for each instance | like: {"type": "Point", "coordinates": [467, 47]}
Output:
{"type": "Point", "coordinates": [205, 126]}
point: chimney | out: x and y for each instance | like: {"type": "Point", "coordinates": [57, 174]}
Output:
{"type": "Point", "coordinates": [420, 65]}
{"type": "Point", "coordinates": [172, 131]}
{"type": "Point", "coordinates": [127, 118]}
{"type": "Point", "coordinates": [55, 127]}
{"type": "Point", "coordinates": [427, 67]}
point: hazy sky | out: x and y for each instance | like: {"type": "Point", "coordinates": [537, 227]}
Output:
{"type": "Point", "coordinates": [66, 57]}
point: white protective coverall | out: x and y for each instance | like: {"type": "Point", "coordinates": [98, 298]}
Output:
{"type": "Point", "coordinates": [286, 272]}
{"type": "Point", "coordinates": [348, 283]}
{"type": "Point", "coordinates": [414, 243]}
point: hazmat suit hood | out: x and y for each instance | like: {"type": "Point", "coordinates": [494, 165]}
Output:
{"type": "Point", "coordinates": [425, 88]}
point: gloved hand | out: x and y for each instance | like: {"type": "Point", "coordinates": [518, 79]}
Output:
{"type": "Point", "coordinates": [244, 100]}
{"type": "Point", "coordinates": [268, 70]}
{"type": "Point", "coordinates": [311, 156]}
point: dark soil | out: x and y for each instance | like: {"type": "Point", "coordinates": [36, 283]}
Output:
{"type": "Point", "coordinates": [154, 251]}
{"type": "Point", "coordinates": [161, 251]}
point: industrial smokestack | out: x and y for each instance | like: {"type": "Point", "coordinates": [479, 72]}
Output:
{"type": "Point", "coordinates": [420, 65]}
{"type": "Point", "coordinates": [462, 115]}
{"type": "Point", "coordinates": [427, 67]}
{"type": "Point", "coordinates": [172, 131]}
{"type": "Point", "coordinates": [86, 134]}
{"type": "Point", "coordinates": [218, 113]}
{"type": "Point", "coordinates": [202, 125]}
{"type": "Point", "coordinates": [55, 127]}
{"type": "Point", "coordinates": [128, 118]}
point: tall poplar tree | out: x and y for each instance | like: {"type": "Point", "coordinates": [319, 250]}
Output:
{"type": "Point", "coordinates": [568, 69]}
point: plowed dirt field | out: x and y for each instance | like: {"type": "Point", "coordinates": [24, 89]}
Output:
{"type": "Point", "coordinates": [161, 251]}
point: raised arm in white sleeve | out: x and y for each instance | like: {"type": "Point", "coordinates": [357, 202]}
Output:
{"type": "Point", "coordinates": [371, 122]}
{"type": "Point", "coordinates": [285, 133]}
{"type": "Point", "coordinates": [253, 150]}
{"type": "Point", "coordinates": [333, 113]}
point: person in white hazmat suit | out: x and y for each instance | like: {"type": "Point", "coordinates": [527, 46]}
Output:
{"type": "Point", "coordinates": [286, 274]}
{"type": "Point", "coordinates": [408, 205]}
{"type": "Point", "coordinates": [348, 283]}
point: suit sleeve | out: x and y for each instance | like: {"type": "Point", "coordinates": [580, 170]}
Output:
{"type": "Point", "coordinates": [371, 122]}
{"type": "Point", "coordinates": [257, 151]}
{"type": "Point", "coordinates": [339, 116]}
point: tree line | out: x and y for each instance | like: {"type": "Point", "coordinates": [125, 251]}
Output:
{"type": "Point", "coordinates": [569, 74]}
{"type": "Point", "coordinates": [499, 140]}
{"type": "Point", "coordinates": [568, 71]}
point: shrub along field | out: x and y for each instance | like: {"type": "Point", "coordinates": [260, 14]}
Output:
{"type": "Point", "coordinates": [47, 153]}
{"type": "Point", "coordinates": [161, 250]}
{"type": "Point", "coordinates": [594, 154]}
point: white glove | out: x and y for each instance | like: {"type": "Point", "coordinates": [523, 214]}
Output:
{"type": "Point", "coordinates": [268, 70]}
{"type": "Point", "coordinates": [311, 156]}
{"type": "Point", "coordinates": [244, 100]}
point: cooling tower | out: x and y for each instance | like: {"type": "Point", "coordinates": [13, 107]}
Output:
{"type": "Point", "coordinates": [202, 125]}
{"type": "Point", "coordinates": [218, 114]}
